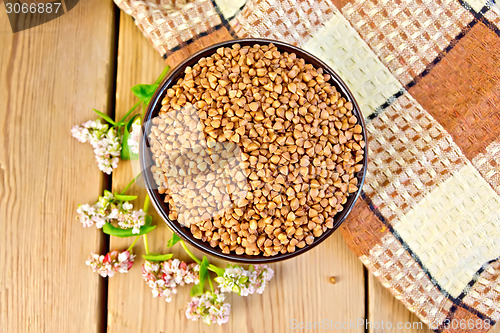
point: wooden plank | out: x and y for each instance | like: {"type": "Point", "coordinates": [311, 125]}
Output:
{"type": "Point", "coordinates": [300, 289]}
{"type": "Point", "coordinates": [51, 76]}
{"type": "Point", "coordinates": [384, 308]}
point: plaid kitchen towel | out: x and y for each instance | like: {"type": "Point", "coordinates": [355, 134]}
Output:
{"type": "Point", "coordinates": [426, 74]}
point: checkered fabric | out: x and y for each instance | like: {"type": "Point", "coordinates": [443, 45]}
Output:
{"type": "Point", "coordinates": [426, 74]}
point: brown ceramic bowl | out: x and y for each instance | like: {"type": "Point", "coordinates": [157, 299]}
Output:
{"type": "Point", "coordinates": [146, 156]}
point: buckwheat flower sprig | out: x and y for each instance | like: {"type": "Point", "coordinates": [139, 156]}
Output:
{"type": "Point", "coordinates": [244, 282]}
{"type": "Point", "coordinates": [260, 276]}
{"type": "Point", "coordinates": [111, 263]}
{"type": "Point", "coordinates": [97, 214]}
{"type": "Point", "coordinates": [88, 216]}
{"type": "Point", "coordinates": [105, 141]}
{"type": "Point", "coordinates": [209, 307]}
{"type": "Point", "coordinates": [107, 151]}
{"type": "Point", "coordinates": [181, 272]}
{"type": "Point", "coordinates": [91, 130]}
{"type": "Point", "coordinates": [109, 208]}
{"type": "Point", "coordinates": [128, 218]}
{"type": "Point", "coordinates": [164, 277]}
{"type": "Point", "coordinates": [117, 139]}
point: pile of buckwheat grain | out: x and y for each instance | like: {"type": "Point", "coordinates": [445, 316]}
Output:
{"type": "Point", "coordinates": [261, 149]}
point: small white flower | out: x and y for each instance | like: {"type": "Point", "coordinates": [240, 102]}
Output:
{"type": "Point", "coordinates": [111, 263]}
{"type": "Point", "coordinates": [113, 214]}
{"type": "Point", "coordinates": [107, 197]}
{"type": "Point", "coordinates": [127, 206]}
{"type": "Point", "coordinates": [86, 214]}
{"type": "Point", "coordinates": [80, 133]}
{"type": "Point", "coordinates": [209, 307]}
{"type": "Point", "coordinates": [163, 278]}
{"type": "Point", "coordinates": [133, 139]}
{"type": "Point", "coordinates": [99, 221]}
{"type": "Point", "coordinates": [128, 219]}
{"type": "Point", "coordinates": [245, 282]}
{"type": "Point", "coordinates": [106, 209]}
{"type": "Point", "coordinates": [104, 140]}
{"type": "Point", "coordinates": [107, 150]}
{"type": "Point", "coordinates": [260, 276]}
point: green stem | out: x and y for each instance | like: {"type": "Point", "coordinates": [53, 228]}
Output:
{"type": "Point", "coordinates": [130, 184]}
{"type": "Point", "coordinates": [189, 253]}
{"type": "Point", "coordinates": [162, 75]}
{"type": "Point", "coordinates": [210, 283]}
{"type": "Point", "coordinates": [217, 270]}
{"type": "Point", "coordinates": [133, 244]}
{"type": "Point", "coordinates": [143, 111]}
{"type": "Point", "coordinates": [145, 208]}
{"type": "Point", "coordinates": [130, 111]}
{"type": "Point", "coordinates": [146, 245]}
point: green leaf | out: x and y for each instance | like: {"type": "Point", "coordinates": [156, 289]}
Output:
{"type": "Point", "coordinates": [157, 257]}
{"type": "Point", "coordinates": [219, 271]}
{"type": "Point", "coordinates": [105, 117]}
{"type": "Point", "coordinates": [144, 91]}
{"type": "Point", "coordinates": [123, 197]}
{"type": "Point", "coordinates": [172, 241]}
{"type": "Point", "coordinates": [197, 289]}
{"type": "Point", "coordinates": [126, 153]}
{"type": "Point", "coordinates": [111, 230]}
{"type": "Point", "coordinates": [203, 269]}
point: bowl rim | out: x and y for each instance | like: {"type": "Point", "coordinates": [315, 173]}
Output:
{"type": "Point", "coordinates": [146, 161]}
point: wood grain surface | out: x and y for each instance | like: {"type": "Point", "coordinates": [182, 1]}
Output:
{"type": "Point", "coordinates": [51, 77]}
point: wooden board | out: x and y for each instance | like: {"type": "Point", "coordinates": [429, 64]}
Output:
{"type": "Point", "coordinates": [300, 291]}
{"type": "Point", "coordinates": [51, 77]}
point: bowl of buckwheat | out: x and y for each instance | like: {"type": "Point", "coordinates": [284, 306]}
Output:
{"type": "Point", "coordinates": [253, 150]}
